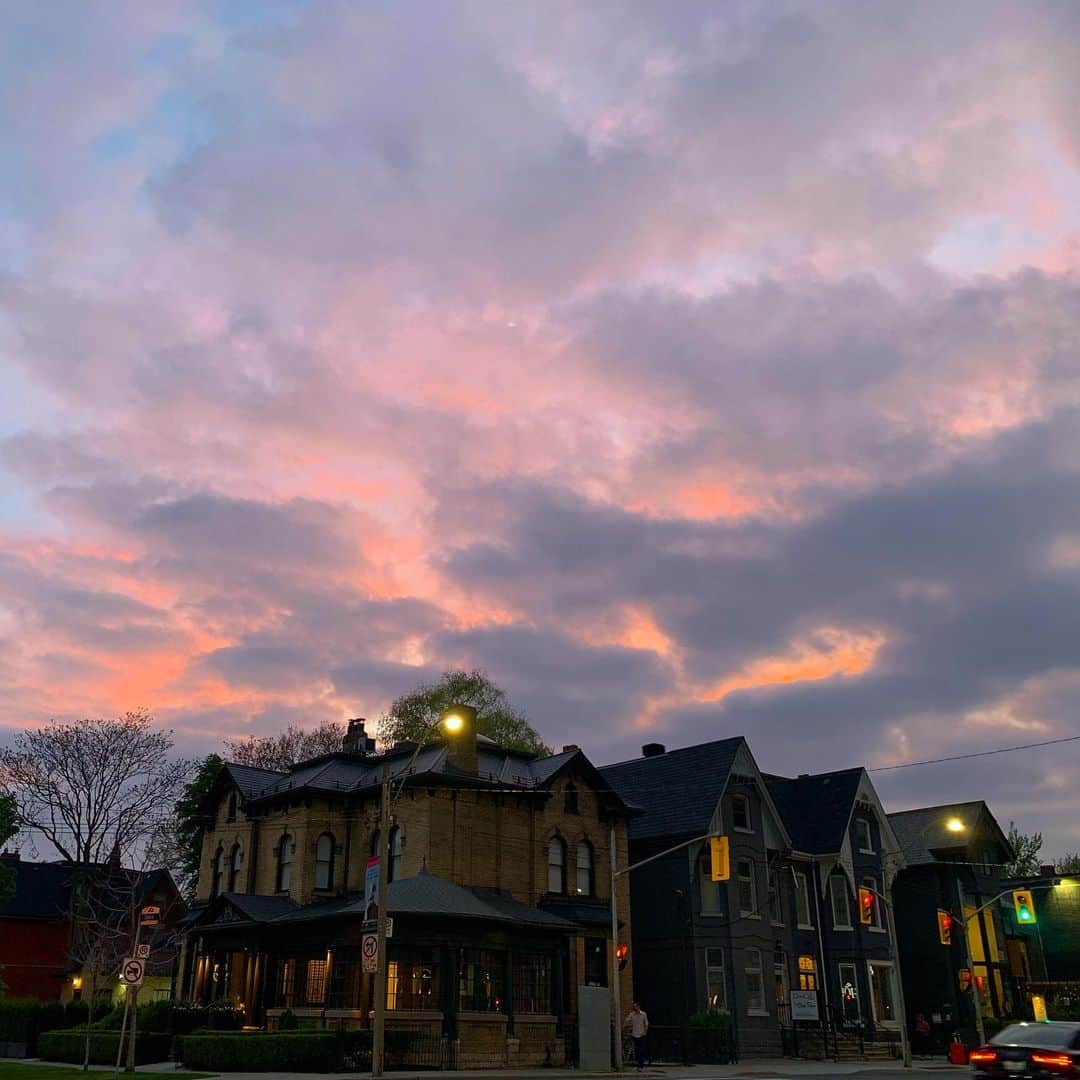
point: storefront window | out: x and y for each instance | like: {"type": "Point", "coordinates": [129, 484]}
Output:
{"type": "Point", "coordinates": [480, 981]}
{"type": "Point", "coordinates": [412, 979]}
{"type": "Point", "coordinates": [532, 983]}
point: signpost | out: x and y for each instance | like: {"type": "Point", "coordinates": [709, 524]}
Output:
{"type": "Point", "coordinates": [804, 1004]}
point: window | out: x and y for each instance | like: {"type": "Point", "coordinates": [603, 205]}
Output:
{"type": "Point", "coordinates": [287, 982]}
{"type": "Point", "coordinates": [744, 873]}
{"type": "Point", "coordinates": [284, 863]}
{"type": "Point", "coordinates": [324, 862]}
{"type": "Point", "coordinates": [236, 862]}
{"type": "Point", "coordinates": [230, 813]}
{"type": "Point", "coordinates": [412, 979]}
{"type": "Point", "coordinates": [585, 869]}
{"type": "Point", "coordinates": [345, 975]}
{"type": "Point", "coordinates": [755, 984]}
{"type": "Point", "coordinates": [480, 980]}
{"type": "Point", "coordinates": [802, 903]}
{"type": "Point", "coordinates": [776, 905]}
{"type": "Point", "coordinates": [532, 983]}
{"type": "Point", "coordinates": [216, 870]}
{"type": "Point", "coordinates": [875, 909]}
{"type": "Point", "coordinates": [841, 912]}
{"type": "Point", "coordinates": [807, 973]}
{"type": "Point", "coordinates": [849, 991]}
{"type": "Point", "coordinates": [556, 866]}
{"type": "Point", "coordinates": [862, 836]}
{"type": "Point", "coordinates": [570, 799]}
{"type": "Point", "coordinates": [715, 984]}
{"type": "Point", "coordinates": [882, 995]}
{"type": "Point", "coordinates": [596, 961]}
{"type": "Point", "coordinates": [711, 897]}
{"type": "Point", "coordinates": [740, 813]}
{"type": "Point", "coordinates": [397, 853]}
{"type": "Point", "coordinates": [315, 986]}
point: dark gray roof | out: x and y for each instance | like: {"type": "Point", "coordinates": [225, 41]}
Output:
{"type": "Point", "coordinates": [260, 908]}
{"type": "Point", "coordinates": [816, 808]}
{"type": "Point", "coordinates": [425, 894]}
{"type": "Point", "coordinates": [42, 890]}
{"type": "Point", "coordinates": [924, 838]}
{"type": "Point", "coordinates": [249, 781]}
{"type": "Point", "coordinates": [679, 790]}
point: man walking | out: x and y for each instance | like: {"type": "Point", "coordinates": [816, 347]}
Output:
{"type": "Point", "coordinates": [638, 1022]}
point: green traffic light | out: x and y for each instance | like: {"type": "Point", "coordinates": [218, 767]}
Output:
{"type": "Point", "coordinates": [1024, 915]}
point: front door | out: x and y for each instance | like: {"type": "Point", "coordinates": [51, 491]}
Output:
{"type": "Point", "coordinates": [883, 994]}
{"type": "Point", "coordinates": [782, 1009]}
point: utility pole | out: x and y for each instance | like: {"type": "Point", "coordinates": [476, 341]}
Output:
{"type": "Point", "coordinates": [378, 1041]}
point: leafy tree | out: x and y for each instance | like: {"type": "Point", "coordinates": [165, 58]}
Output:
{"type": "Point", "coordinates": [9, 826]}
{"type": "Point", "coordinates": [415, 715]}
{"type": "Point", "coordinates": [1026, 848]}
{"type": "Point", "coordinates": [93, 788]}
{"type": "Point", "coordinates": [292, 745]}
{"type": "Point", "coordinates": [1069, 863]}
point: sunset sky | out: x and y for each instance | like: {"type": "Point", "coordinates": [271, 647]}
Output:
{"type": "Point", "coordinates": [694, 369]}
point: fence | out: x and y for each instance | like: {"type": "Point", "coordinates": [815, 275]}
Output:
{"type": "Point", "coordinates": [683, 1045]}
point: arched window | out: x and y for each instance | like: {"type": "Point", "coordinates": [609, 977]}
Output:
{"type": "Point", "coordinates": [397, 851]}
{"type": "Point", "coordinates": [236, 861]}
{"type": "Point", "coordinates": [324, 862]}
{"type": "Point", "coordinates": [585, 882]}
{"type": "Point", "coordinates": [284, 863]}
{"type": "Point", "coordinates": [556, 865]}
{"type": "Point", "coordinates": [218, 867]}
{"type": "Point", "coordinates": [231, 811]}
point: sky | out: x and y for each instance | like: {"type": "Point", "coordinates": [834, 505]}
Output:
{"type": "Point", "coordinates": [694, 369]}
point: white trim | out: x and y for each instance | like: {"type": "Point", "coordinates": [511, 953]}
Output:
{"type": "Point", "coordinates": [888, 1025]}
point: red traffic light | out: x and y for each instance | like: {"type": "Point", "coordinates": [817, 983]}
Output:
{"type": "Point", "coordinates": [866, 906]}
{"type": "Point", "coordinates": [944, 926]}
{"type": "Point", "coordinates": [622, 954]}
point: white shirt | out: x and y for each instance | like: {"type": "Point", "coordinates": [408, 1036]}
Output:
{"type": "Point", "coordinates": [639, 1023]}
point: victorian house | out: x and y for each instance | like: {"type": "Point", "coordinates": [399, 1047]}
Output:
{"type": "Point", "coordinates": [499, 894]}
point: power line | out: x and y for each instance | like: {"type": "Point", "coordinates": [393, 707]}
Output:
{"type": "Point", "coordinates": [980, 753]}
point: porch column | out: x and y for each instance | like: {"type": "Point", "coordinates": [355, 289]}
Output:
{"type": "Point", "coordinates": [508, 990]}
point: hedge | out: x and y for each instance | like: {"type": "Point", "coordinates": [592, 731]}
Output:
{"type": "Point", "coordinates": [292, 1052]}
{"type": "Point", "coordinates": [23, 1021]}
{"type": "Point", "coordinates": [70, 1046]}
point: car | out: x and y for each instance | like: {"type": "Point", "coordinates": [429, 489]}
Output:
{"type": "Point", "coordinates": [1030, 1051]}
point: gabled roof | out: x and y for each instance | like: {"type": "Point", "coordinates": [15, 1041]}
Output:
{"type": "Point", "coordinates": [924, 837]}
{"type": "Point", "coordinates": [816, 808]}
{"type": "Point", "coordinates": [679, 789]}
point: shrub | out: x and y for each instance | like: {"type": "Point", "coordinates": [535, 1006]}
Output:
{"type": "Point", "coordinates": [287, 1021]}
{"type": "Point", "coordinates": [304, 1052]}
{"type": "Point", "coordinates": [23, 1021]}
{"type": "Point", "coordinates": [70, 1046]}
{"type": "Point", "coordinates": [188, 1018]}
{"type": "Point", "coordinates": [709, 1037]}
{"type": "Point", "coordinates": [155, 1016]}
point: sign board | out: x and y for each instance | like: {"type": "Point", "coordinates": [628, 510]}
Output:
{"type": "Point", "coordinates": [142, 952]}
{"type": "Point", "coordinates": [132, 971]}
{"type": "Point", "coordinates": [804, 1004]}
{"type": "Point", "coordinates": [150, 915]}
{"type": "Point", "coordinates": [369, 952]}
{"type": "Point", "coordinates": [1038, 1007]}
{"type": "Point", "coordinates": [371, 926]}
{"type": "Point", "coordinates": [371, 888]}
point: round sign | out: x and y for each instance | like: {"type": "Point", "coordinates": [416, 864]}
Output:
{"type": "Point", "coordinates": [370, 945]}
{"type": "Point", "coordinates": [133, 971]}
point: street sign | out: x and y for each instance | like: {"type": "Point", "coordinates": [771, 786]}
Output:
{"type": "Point", "coordinates": [150, 915]}
{"type": "Point", "coordinates": [142, 952]}
{"type": "Point", "coordinates": [132, 971]}
{"type": "Point", "coordinates": [369, 952]}
{"type": "Point", "coordinates": [371, 888]}
{"type": "Point", "coordinates": [804, 1004]}
{"type": "Point", "coordinates": [389, 927]}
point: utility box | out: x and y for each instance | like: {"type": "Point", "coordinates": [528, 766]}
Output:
{"type": "Point", "coordinates": [594, 1028]}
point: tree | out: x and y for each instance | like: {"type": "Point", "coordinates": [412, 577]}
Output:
{"type": "Point", "coordinates": [1069, 863]}
{"type": "Point", "coordinates": [9, 826]}
{"type": "Point", "coordinates": [1026, 848]}
{"type": "Point", "coordinates": [178, 842]}
{"type": "Point", "coordinates": [94, 787]}
{"type": "Point", "coordinates": [292, 745]}
{"type": "Point", "coordinates": [415, 715]}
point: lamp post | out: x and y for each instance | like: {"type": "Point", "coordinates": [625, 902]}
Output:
{"type": "Point", "coordinates": [457, 720]}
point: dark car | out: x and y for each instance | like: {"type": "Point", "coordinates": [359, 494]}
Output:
{"type": "Point", "coordinates": [1030, 1052]}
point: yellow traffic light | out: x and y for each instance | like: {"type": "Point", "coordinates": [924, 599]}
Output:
{"type": "Point", "coordinates": [1023, 906]}
{"type": "Point", "coordinates": [719, 858]}
{"type": "Point", "coordinates": [944, 927]}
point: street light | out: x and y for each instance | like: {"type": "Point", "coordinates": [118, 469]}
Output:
{"type": "Point", "coordinates": [456, 720]}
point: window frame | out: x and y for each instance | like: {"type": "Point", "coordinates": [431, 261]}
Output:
{"type": "Point", "coordinates": [230, 807]}
{"type": "Point", "coordinates": [709, 892]}
{"type": "Point", "coordinates": [327, 862]}
{"type": "Point", "coordinates": [710, 969]}
{"type": "Point", "coordinates": [774, 896]}
{"type": "Point", "coordinates": [586, 847]}
{"type": "Point", "coordinates": [217, 868]}
{"type": "Point", "coordinates": [752, 966]}
{"type": "Point", "coordinates": [854, 968]}
{"type": "Point", "coordinates": [395, 854]}
{"type": "Point", "coordinates": [835, 881]}
{"type": "Point", "coordinates": [570, 798]}
{"type": "Point", "coordinates": [740, 881]}
{"type": "Point", "coordinates": [739, 799]}
{"type": "Point", "coordinates": [283, 876]}
{"type": "Point", "coordinates": [802, 890]}
{"type": "Point", "coordinates": [557, 843]}
{"type": "Point", "coordinates": [864, 823]}
{"type": "Point", "coordinates": [236, 859]}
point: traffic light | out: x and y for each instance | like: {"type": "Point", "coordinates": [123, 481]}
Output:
{"type": "Point", "coordinates": [719, 858]}
{"type": "Point", "coordinates": [944, 927]}
{"type": "Point", "coordinates": [866, 906]}
{"type": "Point", "coordinates": [1024, 908]}
{"type": "Point", "coordinates": [622, 954]}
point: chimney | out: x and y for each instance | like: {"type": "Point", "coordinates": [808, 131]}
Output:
{"type": "Point", "coordinates": [569, 746]}
{"type": "Point", "coordinates": [653, 749]}
{"type": "Point", "coordinates": [356, 740]}
{"type": "Point", "coordinates": [461, 738]}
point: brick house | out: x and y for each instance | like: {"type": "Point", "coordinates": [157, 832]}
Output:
{"type": "Point", "coordinates": [499, 876]}
{"type": "Point", "coordinates": [787, 919]}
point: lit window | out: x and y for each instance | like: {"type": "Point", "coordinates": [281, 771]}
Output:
{"type": "Point", "coordinates": [740, 813]}
{"type": "Point", "coordinates": [316, 982]}
{"type": "Point", "coordinates": [807, 973]}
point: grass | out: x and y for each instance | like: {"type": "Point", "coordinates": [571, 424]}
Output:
{"type": "Point", "coordinates": [10, 1070]}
